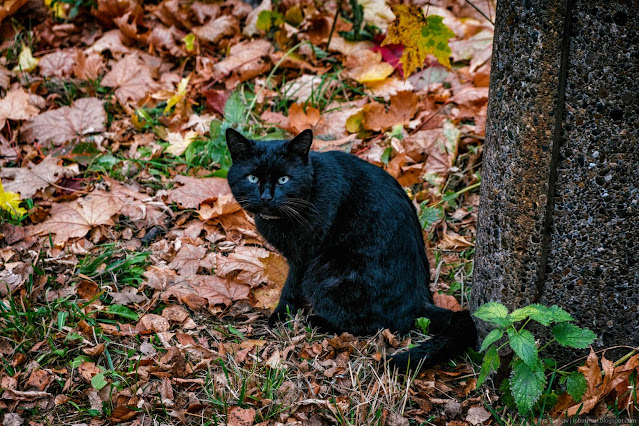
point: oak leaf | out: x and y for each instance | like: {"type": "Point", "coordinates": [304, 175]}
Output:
{"type": "Point", "coordinates": [420, 36]}
{"type": "Point", "coordinates": [67, 123]}
{"type": "Point", "coordinates": [77, 218]}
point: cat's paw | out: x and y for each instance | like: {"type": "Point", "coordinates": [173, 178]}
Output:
{"type": "Point", "coordinates": [281, 313]}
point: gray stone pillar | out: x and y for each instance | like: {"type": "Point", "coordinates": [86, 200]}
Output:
{"type": "Point", "coordinates": [559, 207]}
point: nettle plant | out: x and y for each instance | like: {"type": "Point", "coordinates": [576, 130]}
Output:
{"type": "Point", "coordinates": [528, 371]}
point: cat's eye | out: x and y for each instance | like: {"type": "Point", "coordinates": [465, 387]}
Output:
{"type": "Point", "coordinates": [283, 179]}
{"type": "Point", "coordinates": [252, 179]}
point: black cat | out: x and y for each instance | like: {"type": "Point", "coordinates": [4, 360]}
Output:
{"type": "Point", "coordinates": [352, 240]}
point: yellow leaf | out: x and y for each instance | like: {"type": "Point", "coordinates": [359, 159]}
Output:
{"type": "Point", "coordinates": [178, 96]}
{"type": "Point", "coordinates": [420, 36]}
{"type": "Point", "coordinates": [58, 8]}
{"type": "Point", "coordinates": [10, 201]}
{"type": "Point", "coordinates": [26, 61]}
{"type": "Point", "coordinates": [179, 143]}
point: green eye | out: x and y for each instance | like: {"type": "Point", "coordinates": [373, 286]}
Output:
{"type": "Point", "coordinates": [283, 179]}
{"type": "Point", "coordinates": [252, 179]}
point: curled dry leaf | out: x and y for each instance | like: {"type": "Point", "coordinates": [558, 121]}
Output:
{"type": "Point", "coordinates": [67, 123]}
{"type": "Point", "coordinates": [244, 264]}
{"type": "Point", "coordinates": [367, 67]}
{"type": "Point", "coordinates": [111, 41]}
{"type": "Point", "coordinates": [301, 120]}
{"type": "Point", "coordinates": [75, 219]}
{"type": "Point", "coordinates": [27, 181]}
{"type": "Point", "coordinates": [16, 105]}
{"type": "Point", "coordinates": [151, 323]}
{"type": "Point", "coordinates": [131, 79]}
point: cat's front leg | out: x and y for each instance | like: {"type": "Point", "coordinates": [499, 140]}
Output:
{"type": "Point", "coordinates": [289, 300]}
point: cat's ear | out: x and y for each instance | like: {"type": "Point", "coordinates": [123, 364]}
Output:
{"type": "Point", "coordinates": [239, 146]}
{"type": "Point", "coordinates": [300, 145]}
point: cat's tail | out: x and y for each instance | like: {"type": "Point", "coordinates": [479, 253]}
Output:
{"type": "Point", "coordinates": [453, 333]}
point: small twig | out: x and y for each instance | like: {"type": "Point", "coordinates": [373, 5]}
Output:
{"type": "Point", "coordinates": [330, 36]}
{"type": "Point", "coordinates": [480, 12]}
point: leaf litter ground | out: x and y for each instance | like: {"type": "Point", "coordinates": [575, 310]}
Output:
{"type": "Point", "coordinates": [135, 290]}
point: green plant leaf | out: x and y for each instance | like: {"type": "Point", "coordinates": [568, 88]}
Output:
{"type": "Point", "coordinates": [99, 381]}
{"type": "Point", "coordinates": [576, 385]}
{"type": "Point", "coordinates": [423, 324]}
{"type": "Point", "coordinates": [526, 384]}
{"type": "Point", "coordinates": [430, 215]}
{"type": "Point", "coordinates": [234, 109]}
{"type": "Point", "coordinates": [523, 343]}
{"type": "Point", "coordinates": [123, 311]}
{"type": "Point", "coordinates": [493, 312]}
{"type": "Point", "coordinates": [559, 315]}
{"type": "Point", "coordinates": [489, 364]}
{"type": "Point", "coordinates": [523, 313]}
{"type": "Point", "coordinates": [572, 336]}
{"type": "Point", "coordinates": [492, 337]}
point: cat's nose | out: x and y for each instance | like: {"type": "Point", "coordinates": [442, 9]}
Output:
{"type": "Point", "coordinates": [266, 196]}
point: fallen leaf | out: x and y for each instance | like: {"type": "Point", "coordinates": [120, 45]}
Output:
{"type": "Point", "coordinates": [477, 415]}
{"type": "Point", "coordinates": [39, 379]}
{"type": "Point", "coordinates": [246, 59]}
{"type": "Point", "coordinates": [377, 12]}
{"type": "Point", "coordinates": [216, 29]}
{"type": "Point", "coordinates": [150, 323]}
{"type": "Point", "coordinates": [111, 41]}
{"type": "Point", "coordinates": [67, 123]}
{"type": "Point", "coordinates": [131, 79]}
{"type": "Point", "coordinates": [87, 370]}
{"type": "Point", "coordinates": [446, 301]}
{"type": "Point", "coordinates": [16, 106]}
{"type": "Point", "coordinates": [27, 181]}
{"type": "Point", "coordinates": [175, 313]}
{"type": "Point", "coordinates": [75, 219]}
{"type": "Point", "coordinates": [58, 64]}
{"type": "Point", "coordinates": [402, 108]}
{"type": "Point", "coordinates": [419, 35]}
{"type": "Point", "coordinates": [189, 259]}
{"type": "Point", "coordinates": [241, 416]}
{"type": "Point", "coordinates": [244, 264]}
{"type": "Point", "coordinates": [26, 61]}
{"type": "Point", "coordinates": [300, 120]}
{"type": "Point", "coordinates": [195, 191]}
{"type": "Point", "coordinates": [179, 143]}
{"type": "Point", "coordinates": [367, 67]}
{"type": "Point", "coordinates": [210, 288]}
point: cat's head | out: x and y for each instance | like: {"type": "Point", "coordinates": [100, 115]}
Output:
{"type": "Point", "coordinates": [270, 177]}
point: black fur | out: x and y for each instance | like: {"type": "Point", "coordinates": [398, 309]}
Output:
{"type": "Point", "coordinates": [352, 240]}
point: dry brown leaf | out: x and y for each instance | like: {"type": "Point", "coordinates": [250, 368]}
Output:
{"type": "Point", "coordinates": [87, 370]}
{"type": "Point", "coordinates": [402, 108]}
{"type": "Point", "coordinates": [17, 105]}
{"type": "Point", "coordinates": [189, 259]}
{"type": "Point", "coordinates": [88, 67]}
{"type": "Point", "coordinates": [275, 268]}
{"type": "Point", "coordinates": [94, 350]}
{"type": "Point", "coordinates": [131, 79]}
{"type": "Point", "coordinates": [592, 373]}
{"type": "Point", "coordinates": [244, 264]}
{"type": "Point", "coordinates": [224, 205]}
{"type": "Point", "coordinates": [27, 181]}
{"type": "Point", "coordinates": [150, 323]}
{"type": "Point", "coordinates": [453, 241]}
{"type": "Point", "coordinates": [39, 379]}
{"type": "Point", "coordinates": [87, 290]}
{"type": "Point", "coordinates": [367, 67]}
{"type": "Point", "coordinates": [239, 416]}
{"type": "Point", "coordinates": [477, 415]}
{"type": "Point", "coordinates": [246, 59]}
{"type": "Point", "coordinates": [195, 191]}
{"type": "Point", "coordinates": [75, 219]}
{"type": "Point", "coordinates": [9, 7]}
{"type": "Point", "coordinates": [209, 288]}
{"type": "Point", "coordinates": [216, 29]}
{"type": "Point", "coordinates": [175, 313]}
{"type": "Point", "coordinates": [5, 77]}
{"type": "Point", "coordinates": [446, 301]}
{"type": "Point", "coordinates": [111, 41]}
{"type": "Point", "coordinates": [67, 123]}
{"type": "Point", "coordinates": [300, 120]}
{"type": "Point", "coordinates": [58, 64]}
